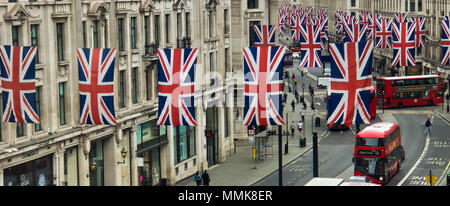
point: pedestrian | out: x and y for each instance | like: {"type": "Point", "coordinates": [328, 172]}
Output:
{"type": "Point", "coordinates": [312, 91]}
{"type": "Point", "coordinates": [302, 114]}
{"type": "Point", "coordinates": [293, 105]}
{"type": "Point", "coordinates": [205, 178]}
{"type": "Point", "coordinates": [300, 127]}
{"type": "Point", "coordinates": [297, 96]}
{"type": "Point", "coordinates": [304, 104]}
{"type": "Point", "coordinates": [293, 76]}
{"type": "Point", "coordinates": [292, 128]}
{"type": "Point", "coordinates": [309, 87]}
{"type": "Point", "coordinates": [197, 179]}
{"type": "Point", "coordinates": [428, 126]}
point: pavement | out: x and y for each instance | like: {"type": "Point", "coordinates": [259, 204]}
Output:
{"type": "Point", "coordinates": [238, 169]}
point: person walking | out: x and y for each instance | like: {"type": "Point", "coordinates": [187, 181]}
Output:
{"type": "Point", "coordinates": [205, 178]}
{"type": "Point", "coordinates": [300, 127]}
{"type": "Point", "coordinates": [197, 179]}
{"type": "Point", "coordinates": [428, 126]}
{"type": "Point", "coordinates": [293, 105]}
{"type": "Point", "coordinates": [302, 114]}
{"type": "Point", "coordinates": [312, 91]}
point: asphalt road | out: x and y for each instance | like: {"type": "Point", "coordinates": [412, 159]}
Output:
{"type": "Point", "coordinates": [336, 151]}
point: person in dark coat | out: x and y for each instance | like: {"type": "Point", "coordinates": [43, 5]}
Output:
{"type": "Point", "coordinates": [205, 178]}
{"type": "Point", "coordinates": [293, 105]}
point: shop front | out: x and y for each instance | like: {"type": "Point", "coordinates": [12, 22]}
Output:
{"type": "Point", "coordinates": [38, 172]}
{"type": "Point", "coordinates": [150, 138]}
{"type": "Point", "coordinates": [212, 141]}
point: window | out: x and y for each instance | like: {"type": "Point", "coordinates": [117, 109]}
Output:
{"type": "Point", "coordinates": [11, 1]}
{"type": "Point", "coordinates": [35, 40]}
{"type": "Point", "coordinates": [20, 130]}
{"type": "Point", "coordinates": [157, 29]}
{"type": "Point", "coordinates": [122, 88]}
{"type": "Point", "coordinates": [226, 60]}
{"type": "Point", "coordinates": [352, 3]}
{"type": "Point", "coordinates": [211, 24]}
{"type": "Point", "coordinates": [37, 127]}
{"type": "Point", "coordinates": [95, 33]}
{"type": "Point", "coordinates": [225, 23]}
{"type": "Point", "coordinates": [120, 33]}
{"type": "Point", "coordinates": [15, 35]}
{"type": "Point", "coordinates": [84, 35]}
{"type": "Point", "coordinates": [412, 5]}
{"type": "Point", "coordinates": [184, 143]}
{"type": "Point", "coordinates": [60, 40]}
{"type": "Point", "coordinates": [105, 32]}
{"type": "Point", "coordinates": [167, 28]}
{"type": "Point", "coordinates": [252, 4]}
{"type": "Point", "coordinates": [148, 80]}
{"type": "Point", "coordinates": [133, 32]}
{"type": "Point", "coordinates": [62, 109]}
{"type": "Point", "coordinates": [188, 24]}
{"type": "Point", "coordinates": [419, 5]}
{"type": "Point", "coordinates": [134, 84]}
{"type": "Point", "coordinates": [146, 28]}
{"type": "Point", "coordinates": [406, 5]}
{"type": "Point", "coordinates": [179, 29]}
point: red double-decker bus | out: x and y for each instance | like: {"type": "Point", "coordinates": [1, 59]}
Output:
{"type": "Point", "coordinates": [378, 152]}
{"type": "Point", "coordinates": [410, 91]}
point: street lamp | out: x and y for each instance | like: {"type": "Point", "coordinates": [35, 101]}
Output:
{"type": "Point", "coordinates": [123, 153]}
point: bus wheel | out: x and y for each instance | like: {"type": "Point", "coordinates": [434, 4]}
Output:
{"type": "Point", "coordinates": [400, 105]}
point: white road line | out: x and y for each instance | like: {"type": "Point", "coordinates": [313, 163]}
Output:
{"type": "Point", "coordinates": [425, 150]}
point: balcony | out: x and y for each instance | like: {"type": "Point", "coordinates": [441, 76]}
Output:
{"type": "Point", "coordinates": [151, 52]}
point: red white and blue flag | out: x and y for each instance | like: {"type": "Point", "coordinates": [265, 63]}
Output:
{"type": "Point", "coordinates": [176, 71]}
{"type": "Point", "coordinates": [372, 26]}
{"type": "Point", "coordinates": [445, 37]}
{"type": "Point", "coordinates": [400, 17]}
{"type": "Point", "coordinates": [96, 85]}
{"type": "Point", "coordinates": [355, 32]}
{"type": "Point", "coordinates": [18, 84]}
{"type": "Point", "coordinates": [419, 23]}
{"type": "Point", "coordinates": [383, 34]}
{"type": "Point", "coordinates": [310, 46]}
{"type": "Point", "coordinates": [296, 25]}
{"type": "Point", "coordinates": [403, 44]}
{"type": "Point", "coordinates": [263, 85]}
{"type": "Point", "coordinates": [265, 35]}
{"type": "Point", "coordinates": [351, 77]}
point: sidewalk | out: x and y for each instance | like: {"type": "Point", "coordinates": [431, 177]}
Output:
{"type": "Point", "coordinates": [238, 170]}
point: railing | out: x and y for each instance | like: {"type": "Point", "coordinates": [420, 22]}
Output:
{"type": "Point", "coordinates": [151, 50]}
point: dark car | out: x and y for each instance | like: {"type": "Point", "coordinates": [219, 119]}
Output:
{"type": "Point", "coordinates": [337, 127]}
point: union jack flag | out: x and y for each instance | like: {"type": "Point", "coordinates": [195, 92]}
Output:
{"type": "Point", "coordinates": [383, 33]}
{"type": "Point", "coordinates": [351, 77]}
{"type": "Point", "coordinates": [176, 71]}
{"type": "Point", "coordinates": [419, 23]}
{"type": "Point", "coordinates": [400, 17]}
{"type": "Point", "coordinates": [445, 37]}
{"type": "Point", "coordinates": [18, 84]}
{"type": "Point", "coordinates": [96, 85]}
{"type": "Point", "coordinates": [372, 26]}
{"type": "Point", "coordinates": [310, 46]}
{"type": "Point", "coordinates": [265, 35]}
{"type": "Point", "coordinates": [281, 20]}
{"type": "Point", "coordinates": [403, 44]}
{"type": "Point", "coordinates": [296, 25]}
{"type": "Point", "coordinates": [263, 85]}
{"type": "Point", "coordinates": [355, 32]}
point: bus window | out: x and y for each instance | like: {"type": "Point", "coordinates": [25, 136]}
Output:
{"type": "Point", "coordinates": [371, 142]}
{"type": "Point", "coordinates": [370, 166]}
{"type": "Point", "coordinates": [380, 84]}
{"type": "Point", "coordinates": [437, 80]}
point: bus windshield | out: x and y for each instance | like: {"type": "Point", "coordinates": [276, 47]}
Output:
{"type": "Point", "coordinates": [370, 166]}
{"type": "Point", "coordinates": [370, 142]}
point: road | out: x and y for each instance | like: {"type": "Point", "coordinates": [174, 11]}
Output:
{"type": "Point", "coordinates": [336, 150]}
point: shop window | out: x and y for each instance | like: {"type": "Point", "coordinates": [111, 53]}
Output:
{"type": "Point", "coordinates": [37, 172]}
{"type": "Point", "coordinates": [96, 168]}
{"type": "Point", "coordinates": [184, 144]}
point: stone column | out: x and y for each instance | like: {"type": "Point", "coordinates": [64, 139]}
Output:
{"type": "Point", "coordinates": [59, 167]}
{"type": "Point", "coordinates": [133, 156]}
{"type": "Point", "coordinates": [83, 160]}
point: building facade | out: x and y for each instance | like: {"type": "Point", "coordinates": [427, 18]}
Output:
{"type": "Point", "coordinates": [61, 151]}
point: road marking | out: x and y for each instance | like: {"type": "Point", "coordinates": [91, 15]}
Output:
{"type": "Point", "coordinates": [425, 150]}
{"type": "Point", "coordinates": [443, 174]}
